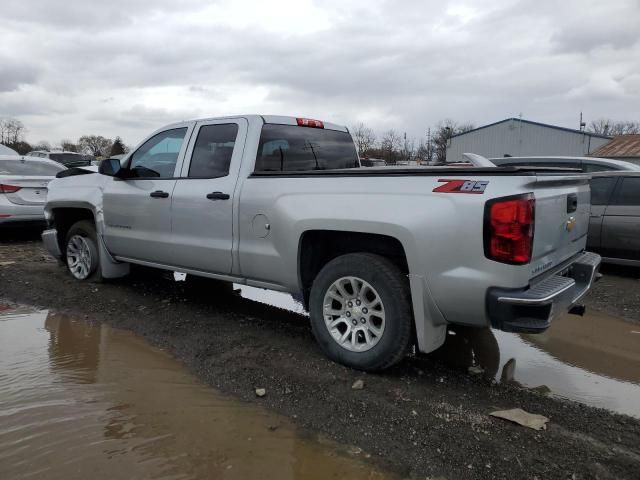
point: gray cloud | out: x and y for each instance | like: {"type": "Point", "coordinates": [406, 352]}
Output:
{"type": "Point", "coordinates": [390, 64]}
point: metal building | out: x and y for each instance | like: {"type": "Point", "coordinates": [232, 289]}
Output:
{"type": "Point", "coordinates": [516, 137]}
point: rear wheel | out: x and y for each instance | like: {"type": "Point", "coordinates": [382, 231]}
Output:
{"type": "Point", "coordinates": [81, 251]}
{"type": "Point", "coordinates": [360, 311]}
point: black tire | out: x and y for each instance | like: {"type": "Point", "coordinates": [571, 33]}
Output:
{"type": "Point", "coordinates": [86, 230]}
{"type": "Point", "coordinates": [393, 288]}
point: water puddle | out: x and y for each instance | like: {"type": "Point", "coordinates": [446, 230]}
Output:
{"type": "Point", "coordinates": [87, 401]}
{"type": "Point", "coordinates": [593, 359]}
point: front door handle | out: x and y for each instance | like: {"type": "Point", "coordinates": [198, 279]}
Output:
{"type": "Point", "coordinates": [159, 194]}
{"type": "Point", "coordinates": [218, 196]}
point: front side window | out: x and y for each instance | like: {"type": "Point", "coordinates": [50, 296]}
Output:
{"type": "Point", "coordinates": [157, 157]}
{"type": "Point", "coordinates": [290, 148]}
{"type": "Point", "coordinates": [213, 150]}
{"type": "Point", "coordinates": [629, 193]}
{"type": "Point", "coordinates": [601, 188]}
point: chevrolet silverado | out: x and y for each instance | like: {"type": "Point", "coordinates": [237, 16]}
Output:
{"type": "Point", "coordinates": [382, 258]}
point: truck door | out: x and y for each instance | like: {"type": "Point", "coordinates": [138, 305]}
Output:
{"type": "Point", "coordinates": [601, 190]}
{"type": "Point", "coordinates": [621, 224]}
{"type": "Point", "coordinates": [137, 210]}
{"type": "Point", "coordinates": [203, 199]}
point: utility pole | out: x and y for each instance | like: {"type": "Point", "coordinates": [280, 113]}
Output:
{"type": "Point", "coordinates": [406, 153]}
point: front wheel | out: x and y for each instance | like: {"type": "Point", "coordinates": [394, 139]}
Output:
{"type": "Point", "coordinates": [81, 251]}
{"type": "Point", "coordinates": [361, 312]}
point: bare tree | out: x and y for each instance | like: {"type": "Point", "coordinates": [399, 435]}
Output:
{"type": "Point", "coordinates": [364, 138]}
{"type": "Point", "coordinates": [68, 146]}
{"type": "Point", "coordinates": [95, 145]}
{"type": "Point", "coordinates": [605, 126]}
{"type": "Point", "coordinates": [443, 133]}
{"type": "Point", "coordinates": [11, 131]}
{"type": "Point", "coordinates": [42, 145]}
{"type": "Point", "coordinates": [390, 146]}
{"type": "Point", "coordinates": [424, 152]}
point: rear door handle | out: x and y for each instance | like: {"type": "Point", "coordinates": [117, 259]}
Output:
{"type": "Point", "coordinates": [218, 196]}
{"type": "Point", "coordinates": [159, 194]}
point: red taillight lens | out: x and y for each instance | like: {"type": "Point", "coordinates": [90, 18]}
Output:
{"type": "Point", "coordinates": [508, 229]}
{"type": "Point", "coordinates": [8, 188]}
{"type": "Point", "coordinates": [308, 122]}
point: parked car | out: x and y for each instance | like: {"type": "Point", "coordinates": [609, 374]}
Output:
{"type": "Point", "coordinates": [4, 150]}
{"type": "Point", "coordinates": [373, 162]}
{"type": "Point", "coordinates": [23, 188]}
{"type": "Point", "coordinates": [586, 164]}
{"type": "Point", "coordinates": [381, 259]}
{"type": "Point", "coordinates": [68, 159]}
{"type": "Point", "coordinates": [614, 225]}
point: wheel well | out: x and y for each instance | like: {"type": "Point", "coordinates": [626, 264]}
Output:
{"type": "Point", "coordinates": [318, 247]}
{"type": "Point", "coordinates": [64, 218]}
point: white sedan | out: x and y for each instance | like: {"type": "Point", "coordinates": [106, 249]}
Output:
{"type": "Point", "coordinates": [23, 188]}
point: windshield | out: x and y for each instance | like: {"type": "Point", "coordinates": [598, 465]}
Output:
{"type": "Point", "coordinates": [29, 168]}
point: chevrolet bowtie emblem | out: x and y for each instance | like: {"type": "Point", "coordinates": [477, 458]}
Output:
{"type": "Point", "coordinates": [571, 223]}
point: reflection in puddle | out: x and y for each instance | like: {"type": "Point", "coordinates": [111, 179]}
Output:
{"type": "Point", "coordinates": [270, 297]}
{"type": "Point", "coordinates": [593, 359]}
{"type": "Point", "coordinates": [85, 401]}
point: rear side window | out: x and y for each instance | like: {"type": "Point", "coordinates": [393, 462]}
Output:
{"type": "Point", "coordinates": [213, 149]}
{"type": "Point", "coordinates": [629, 192]}
{"type": "Point", "coordinates": [290, 148]}
{"type": "Point", "coordinates": [28, 168]}
{"type": "Point", "coordinates": [601, 188]}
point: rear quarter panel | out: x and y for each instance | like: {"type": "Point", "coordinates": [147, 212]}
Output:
{"type": "Point", "coordinates": [442, 233]}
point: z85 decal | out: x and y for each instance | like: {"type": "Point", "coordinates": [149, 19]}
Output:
{"type": "Point", "coordinates": [462, 186]}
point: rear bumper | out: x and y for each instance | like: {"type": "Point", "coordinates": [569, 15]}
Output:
{"type": "Point", "coordinates": [531, 310]}
{"type": "Point", "coordinates": [50, 240]}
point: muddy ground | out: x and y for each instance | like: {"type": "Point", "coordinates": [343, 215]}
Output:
{"type": "Point", "coordinates": [422, 418]}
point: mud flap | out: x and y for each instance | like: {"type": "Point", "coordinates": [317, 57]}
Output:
{"type": "Point", "coordinates": [110, 267]}
{"type": "Point", "coordinates": [431, 328]}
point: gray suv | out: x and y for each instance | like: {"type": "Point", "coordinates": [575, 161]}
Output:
{"type": "Point", "coordinates": [614, 225]}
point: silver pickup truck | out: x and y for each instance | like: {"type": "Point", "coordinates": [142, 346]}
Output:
{"type": "Point", "coordinates": [383, 258]}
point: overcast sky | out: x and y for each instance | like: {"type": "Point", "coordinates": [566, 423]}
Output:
{"type": "Point", "coordinates": [122, 67]}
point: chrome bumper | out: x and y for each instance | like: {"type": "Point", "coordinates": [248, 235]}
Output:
{"type": "Point", "coordinates": [50, 240]}
{"type": "Point", "coordinates": [532, 309]}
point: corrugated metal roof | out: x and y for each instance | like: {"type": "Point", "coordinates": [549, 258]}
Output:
{"type": "Point", "coordinates": [555, 127]}
{"type": "Point", "coordinates": [622, 146]}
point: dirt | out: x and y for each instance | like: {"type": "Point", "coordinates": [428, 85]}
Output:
{"type": "Point", "coordinates": [423, 418]}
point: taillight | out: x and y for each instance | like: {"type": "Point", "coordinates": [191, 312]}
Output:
{"type": "Point", "coordinates": [508, 229]}
{"type": "Point", "coordinates": [8, 188]}
{"type": "Point", "coordinates": [308, 122]}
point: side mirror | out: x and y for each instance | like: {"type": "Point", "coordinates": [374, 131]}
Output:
{"type": "Point", "coordinates": [109, 167]}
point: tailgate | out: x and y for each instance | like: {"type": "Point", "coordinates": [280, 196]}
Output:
{"type": "Point", "coordinates": [32, 191]}
{"type": "Point", "coordinates": [562, 211]}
